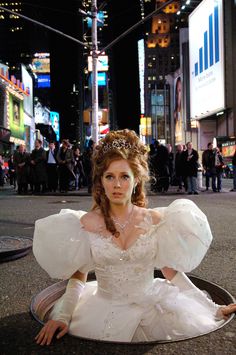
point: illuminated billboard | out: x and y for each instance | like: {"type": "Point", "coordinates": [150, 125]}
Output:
{"type": "Point", "coordinates": [141, 64]}
{"type": "Point", "coordinates": [16, 116]}
{"type": "Point", "coordinates": [55, 122]}
{"type": "Point", "coordinates": [100, 17]}
{"type": "Point", "coordinates": [43, 81]}
{"type": "Point", "coordinates": [41, 63]}
{"type": "Point", "coordinates": [178, 117]}
{"type": "Point", "coordinates": [102, 64]}
{"type": "Point", "coordinates": [206, 59]}
{"type": "Point", "coordinates": [28, 84]}
{"type": "Point", "coordinates": [101, 79]}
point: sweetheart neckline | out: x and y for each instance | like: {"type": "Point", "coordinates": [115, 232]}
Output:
{"type": "Point", "coordinates": [111, 238]}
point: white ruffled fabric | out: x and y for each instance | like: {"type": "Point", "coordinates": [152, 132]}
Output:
{"type": "Point", "coordinates": [125, 303]}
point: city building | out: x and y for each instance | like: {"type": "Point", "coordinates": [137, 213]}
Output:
{"type": "Point", "coordinates": [189, 75]}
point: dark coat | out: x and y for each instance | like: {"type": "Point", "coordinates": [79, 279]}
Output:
{"type": "Point", "coordinates": [208, 160]}
{"type": "Point", "coordinates": [179, 164]}
{"type": "Point", "coordinates": [22, 172]}
{"type": "Point", "coordinates": [69, 160]}
{"type": "Point", "coordinates": [39, 171]}
{"type": "Point", "coordinates": [161, 161]}
{"type": "Point", "coordinates": [190, 163]}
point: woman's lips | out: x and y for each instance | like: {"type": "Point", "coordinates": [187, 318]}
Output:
{"type": "Point", "coordinates": [117, 194]}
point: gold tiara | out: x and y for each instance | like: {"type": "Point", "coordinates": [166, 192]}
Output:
{"type": "Point", "coordinates": [116, 144]}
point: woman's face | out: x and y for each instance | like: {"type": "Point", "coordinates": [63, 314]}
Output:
{"type": "Point", "coordinates": [118, 182]}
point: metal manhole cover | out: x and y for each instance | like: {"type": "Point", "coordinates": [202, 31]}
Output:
{"type": "Point", "coordinates": [12, 247]}
{"type": "Point", "coordinates": [42, 303]}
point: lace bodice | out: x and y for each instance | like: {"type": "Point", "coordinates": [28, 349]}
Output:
{"type": "Point", "coordinates": [123, 274]}
{"type": "Point", "coordinates": [180, 241]}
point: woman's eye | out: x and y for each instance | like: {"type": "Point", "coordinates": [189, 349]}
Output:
{"type": "Point", "coordinates": [125, 177]}
{"type": "Point", "coordinates": [109, 177]}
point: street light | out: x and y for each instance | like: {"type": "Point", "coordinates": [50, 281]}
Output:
{"type": "Point", "coordinates": [94, 15]}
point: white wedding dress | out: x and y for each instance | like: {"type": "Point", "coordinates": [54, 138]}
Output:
{"type": "Point", "coordinates": [126, 303]}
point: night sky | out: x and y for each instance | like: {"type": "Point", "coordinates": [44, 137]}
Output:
{"type": "Point", "coordinates": [66, 55]}
{"type": "Point", "coordinates": [65, 58]}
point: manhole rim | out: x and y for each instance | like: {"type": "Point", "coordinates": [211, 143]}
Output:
{"type": "Point", "coordinates": [13, 254]}
{"type": "Point", "coordinates": [191, 276]}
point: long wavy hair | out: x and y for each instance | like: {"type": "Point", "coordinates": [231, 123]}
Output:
{"type": "Point", "coordinates": [122, 144]}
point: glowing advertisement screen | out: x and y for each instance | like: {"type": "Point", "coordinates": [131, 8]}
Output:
{"type": "Point", "coordinates": [101, 79]}
{"type": "Point", "coordinates": [16, 115]}
{"type": "Point", "coordinates": [206, 59]}
{"type": "Point", "coordinates": [141, 64]}
{"type": "Point", "coordinates": [55, 122]}
{"type": "Point", "coordinates": [43, 81]}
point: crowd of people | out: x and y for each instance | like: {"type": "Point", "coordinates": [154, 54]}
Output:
{"type": "Point", "coordinates": [181, 170]}
{"type": "Point", "coordinates": [66, 168]}
{"type": "Point", "coordinates": [56, 169]}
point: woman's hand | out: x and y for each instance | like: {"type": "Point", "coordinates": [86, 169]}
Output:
{"type": "Point", "coordinates": [225, 311]}
{"type": "Point", "coordinates": [44, 337]}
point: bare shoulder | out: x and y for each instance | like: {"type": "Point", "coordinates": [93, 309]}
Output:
{"type": "Point", "coordinates": [92, 220]}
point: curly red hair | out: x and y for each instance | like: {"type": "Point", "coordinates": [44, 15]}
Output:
{"type": "Point", "coordinates": [122, 144]}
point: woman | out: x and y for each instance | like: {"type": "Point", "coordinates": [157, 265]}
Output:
{"type": "Point", "coordinates": [123, 241]}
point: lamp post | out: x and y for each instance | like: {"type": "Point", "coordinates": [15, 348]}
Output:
{"type": "Point", "coordinates": [95, 127]}
{"type": "Point", "coordinates": [95, 52]}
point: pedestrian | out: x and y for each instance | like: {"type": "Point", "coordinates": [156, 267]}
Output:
{"type": "Point", "coordinates": [190, 162]}
{"type": "Point", "coordinates": [78, 168]}
{"type": "Point", "coordinates": [161, 162]}
{"type": "Point", "coordinates": [65, 165]}
{"type": "Point", "coordinates": [22, 163]}
{"type": "Point", "coordinates": [52, 174]}
{"type": "Point", "coordinates": [179, 168]}
{"type": "Point", "coordinates": [219, 164]}
{"type": "Point", "coordinates": [208, 163]}
{"type": "Point", "coordinates": [234, 171]}
{"type": "Point", "coordinates": [123, 241]}
{"type": "Point", "coordinates": [12, 171]}
{"type": "Point", "coordinates": [39, 167]}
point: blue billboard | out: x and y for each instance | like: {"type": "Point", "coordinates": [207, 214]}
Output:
{"type": "Point", "coordinates": [43, 81]}
{"type": "Point", "coordinates": [55, 122]}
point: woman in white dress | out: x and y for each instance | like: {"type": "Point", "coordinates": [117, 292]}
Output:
{"type": "Point", "coordinates": [123, 241]}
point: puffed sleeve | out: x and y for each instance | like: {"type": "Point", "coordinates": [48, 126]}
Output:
{"type": "Point", "coordinates": [183, 236]}
{"type": "Point", "coordinates": [61, 246]}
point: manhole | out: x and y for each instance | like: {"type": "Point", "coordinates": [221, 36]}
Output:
{"type": "Point", "coordinates": [12, 247]}
{"type": "Point", "coordinates": [43, 302]}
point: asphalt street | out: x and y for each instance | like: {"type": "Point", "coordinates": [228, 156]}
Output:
{"type": "Point", "coordinates": [23, 278]}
